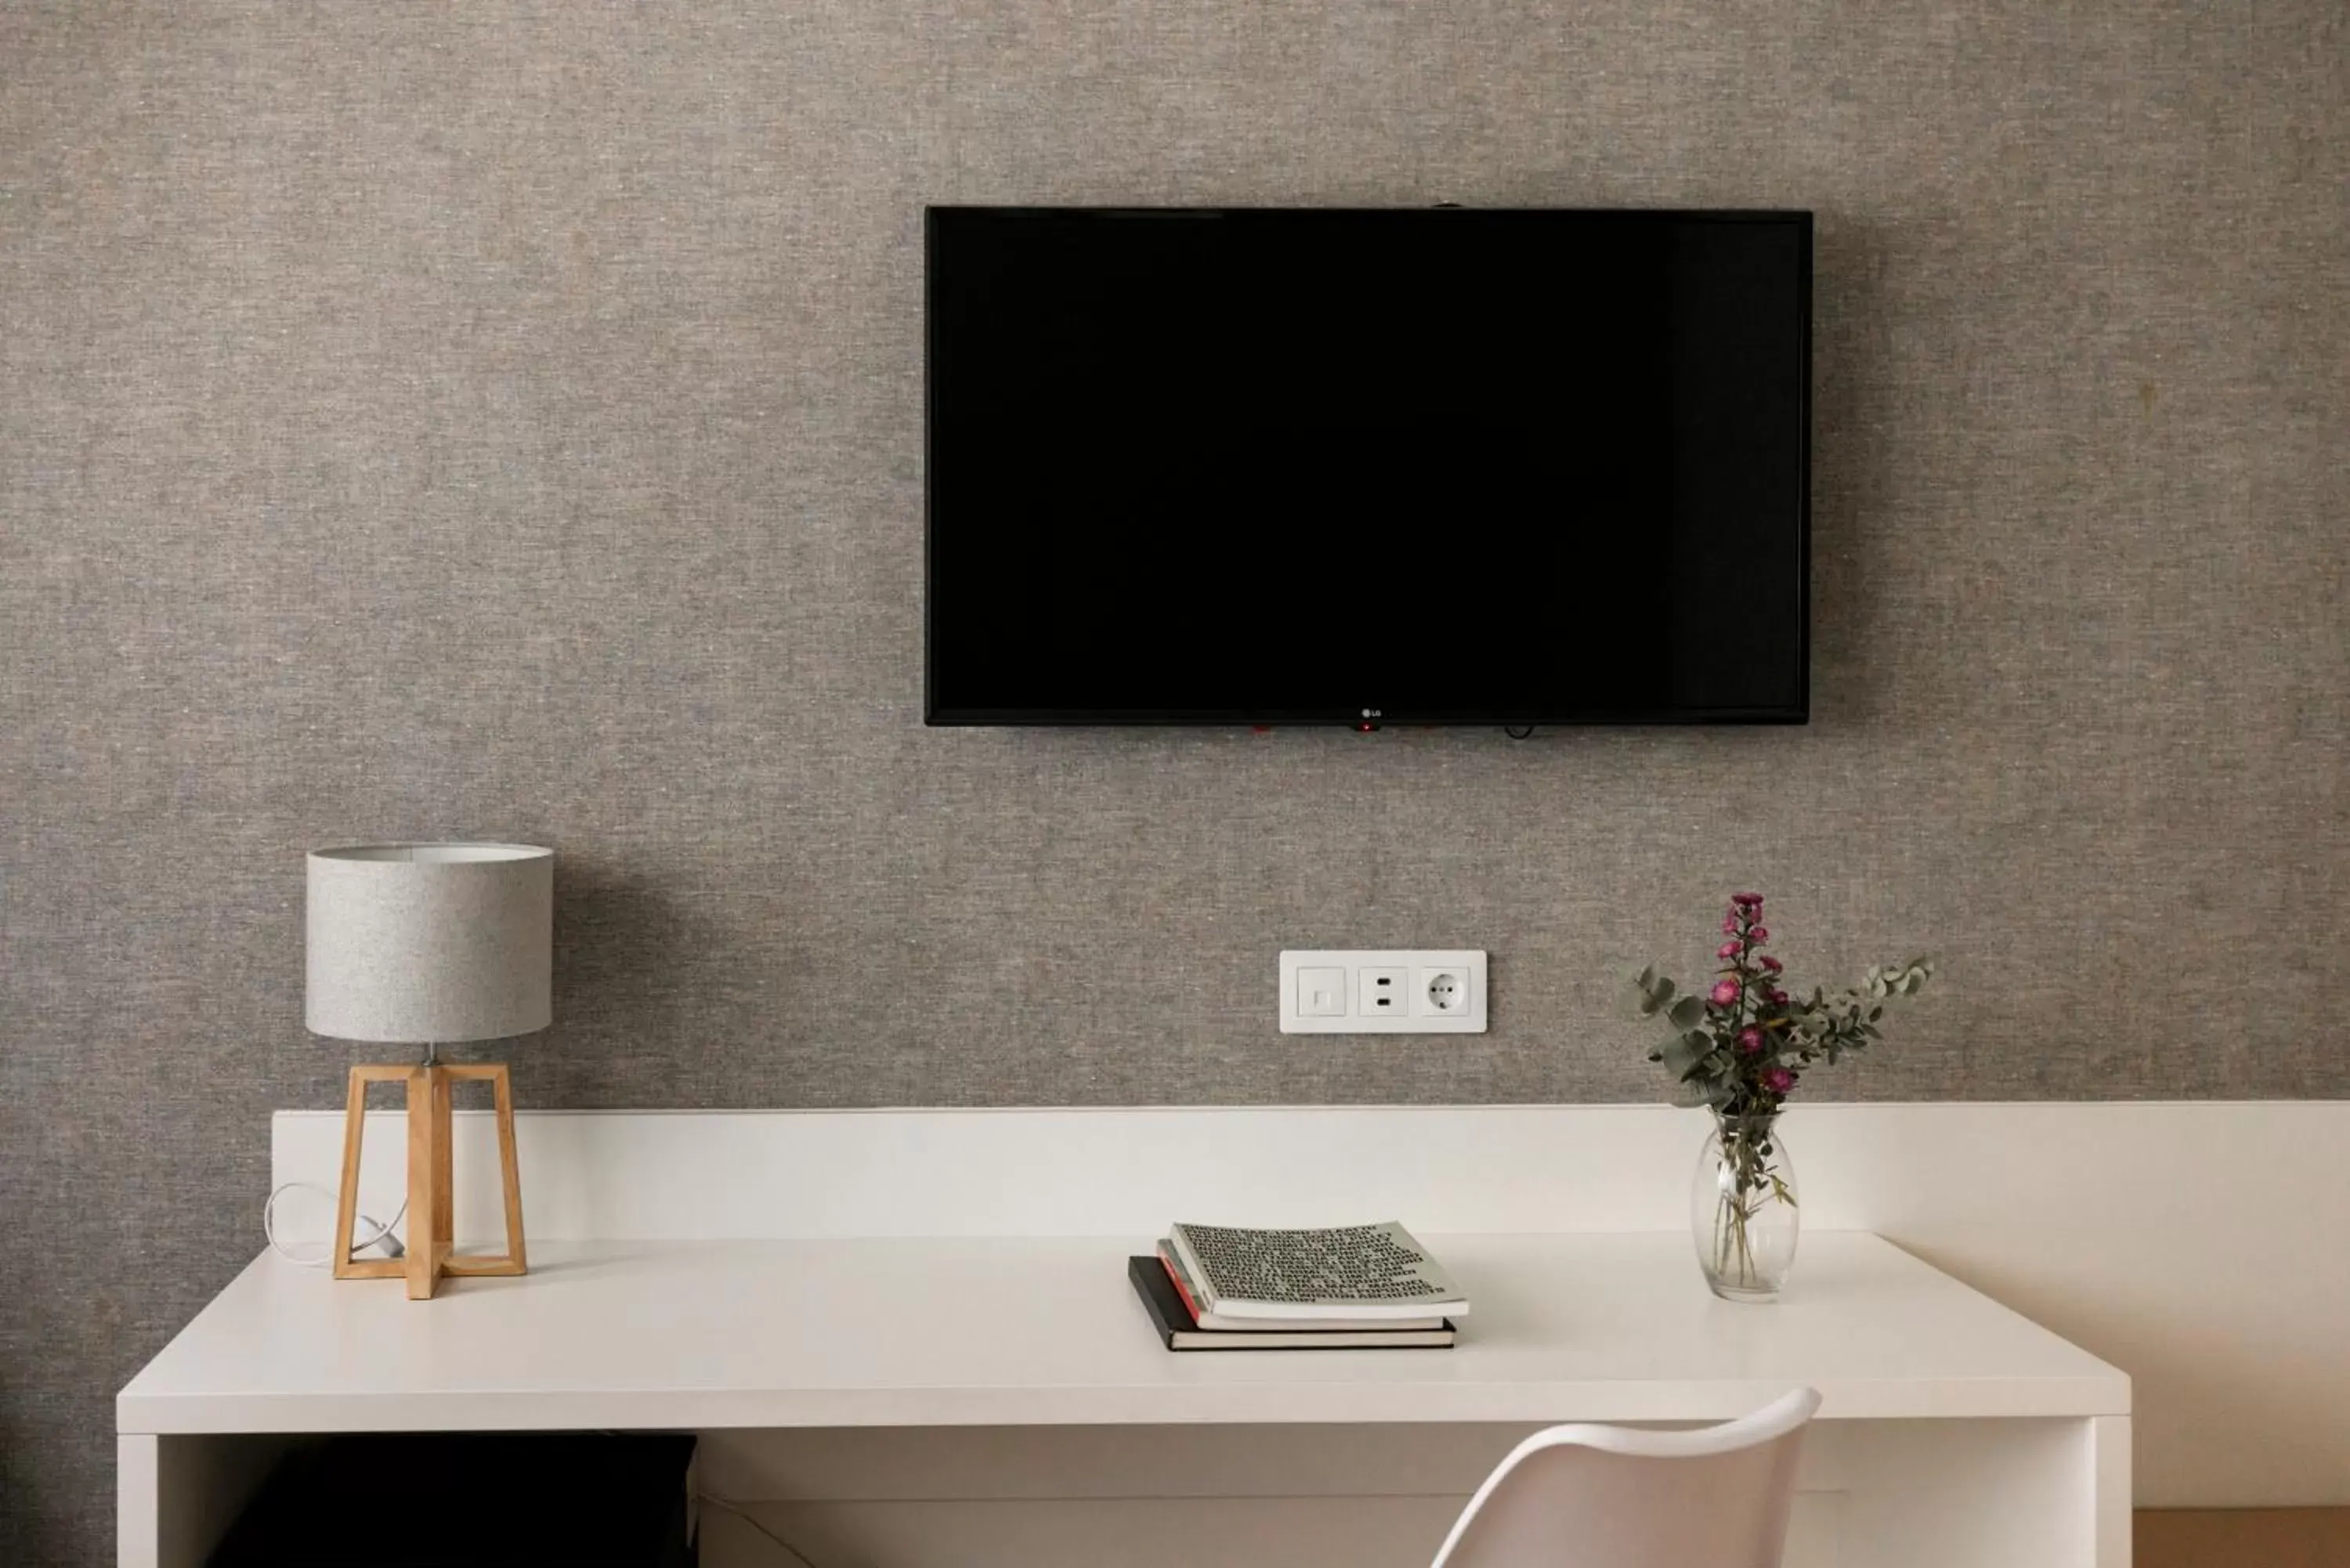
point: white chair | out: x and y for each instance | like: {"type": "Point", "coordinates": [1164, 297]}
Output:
{"type": "Point", "coordinates": [1617, 1497]}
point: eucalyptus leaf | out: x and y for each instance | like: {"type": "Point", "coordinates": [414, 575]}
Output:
{"type": "Point", "coordinates": [1682, 1055]}
{"type": "Point", "coordinates": [1688, 1012]}
{"type": "Point", "coordinates": [1639, 991]}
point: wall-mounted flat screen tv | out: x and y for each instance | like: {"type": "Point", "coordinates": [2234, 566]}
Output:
{"type": "Point", "coordinates": [1432, 466]}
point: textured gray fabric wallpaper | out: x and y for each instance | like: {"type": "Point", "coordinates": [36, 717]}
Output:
{"type": "Point", "coordinates": [504, 421]}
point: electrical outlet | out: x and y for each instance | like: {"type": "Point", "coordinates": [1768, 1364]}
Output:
{"type": "Point", "coordinates": [1440, 992]}
{"type": "Point", "coordinates": [1382, 991]}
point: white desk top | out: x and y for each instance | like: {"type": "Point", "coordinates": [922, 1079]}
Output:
{"type": "Point", "coordinates": [705, 1335]}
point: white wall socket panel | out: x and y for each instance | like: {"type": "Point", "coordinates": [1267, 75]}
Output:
{"type": "Point", "coordinates": [1383, 991]}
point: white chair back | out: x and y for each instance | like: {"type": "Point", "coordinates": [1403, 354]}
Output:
{"type": "Point", "coordinates": [1621, 1497]}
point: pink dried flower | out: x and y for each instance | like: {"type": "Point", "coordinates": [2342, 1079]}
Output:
{"type": "Point", "coordinates": [1778, 1080]}
{"type": "Point", "coordinates": [1730, 925]}
{"type": "Point", "coordinates": [1747, 900]}
{"type": "Point", "coordinates": [1727, 950]}
{"type": "Point", "coordinates": [1759, 934]}
{"type": "Point", "coordinates": [1772, 965]}
{"type": "Point", "coordinates": [1774, 996]}
{"type": "Point", "coordinates": [1725, 993]}
{"type": "Point", "coordinates": [1750, 1040]}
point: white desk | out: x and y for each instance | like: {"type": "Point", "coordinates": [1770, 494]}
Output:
{"type": "Point", "coordinates": [1953, 1433]}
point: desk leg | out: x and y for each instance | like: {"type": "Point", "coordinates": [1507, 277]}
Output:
{"type": "Point", "coordinates": [138, 1503]}
{"type": "Point", "coordinates": [175, 1496]}
{"type": "Point", "coordinates": [2109, 1491]}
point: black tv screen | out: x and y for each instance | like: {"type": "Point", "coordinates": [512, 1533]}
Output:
{"type": "Point", "coordinates": [1433, 466]}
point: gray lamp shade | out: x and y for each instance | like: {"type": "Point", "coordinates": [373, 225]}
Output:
{"type": "Point", "coordinates": [422, 943]}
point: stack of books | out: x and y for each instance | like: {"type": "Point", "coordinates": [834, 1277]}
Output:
{"type": "Point", "coordinates": [1353, 1287]}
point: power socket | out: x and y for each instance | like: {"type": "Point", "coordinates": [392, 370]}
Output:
{"type": "Point", "coordinates": [1382, 991]}
{"type": "Point", "coordinates": [1441, 991]}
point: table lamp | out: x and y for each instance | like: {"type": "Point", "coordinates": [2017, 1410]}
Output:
{"type": "Point", "coordinates": [429, 944]}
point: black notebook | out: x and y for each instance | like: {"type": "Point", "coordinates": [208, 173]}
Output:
{"type": "Point", "coordinates": [1177, 1327]}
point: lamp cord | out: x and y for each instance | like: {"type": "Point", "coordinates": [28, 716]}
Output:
{"type": "Point", "coordinates": [382, 1236]}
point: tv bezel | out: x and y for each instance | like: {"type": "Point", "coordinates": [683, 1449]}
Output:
{"type": "Point", "coordinates": [1797, 712]}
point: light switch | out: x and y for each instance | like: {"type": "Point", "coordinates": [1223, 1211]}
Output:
{"type": "Point", "coordinates": [1320, 993]}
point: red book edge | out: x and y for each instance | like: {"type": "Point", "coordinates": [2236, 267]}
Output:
{"type": "Point", "coordinates": [1175, 1278]}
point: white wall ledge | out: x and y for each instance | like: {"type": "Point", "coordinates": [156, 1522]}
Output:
{"type": "Point", "coordinates": [2174, 1239]}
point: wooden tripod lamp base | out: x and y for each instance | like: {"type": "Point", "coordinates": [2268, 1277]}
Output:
{"type": "Point", "coordinates": [432, 1203]}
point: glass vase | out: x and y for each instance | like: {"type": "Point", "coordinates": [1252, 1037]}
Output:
{"type": "Point", "coordinates": [1743, 1212]}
